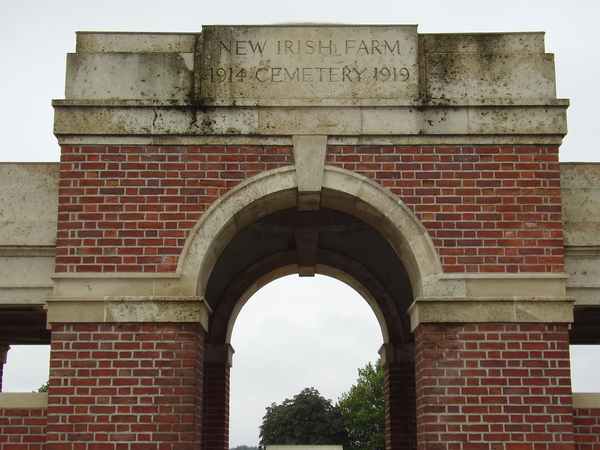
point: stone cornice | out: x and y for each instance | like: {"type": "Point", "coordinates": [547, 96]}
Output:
{"type": "Point", "coordinates": [338, 118]}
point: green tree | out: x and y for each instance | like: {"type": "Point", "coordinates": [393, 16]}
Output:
{"type": "Point", "coordinates": [306, 419]}
{"type": "Point", "coordinates": [363, 409]}
{"type": "Point", "coordinates": [44, 387]}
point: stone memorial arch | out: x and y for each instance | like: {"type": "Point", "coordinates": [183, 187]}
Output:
{"type": "Point", "coordinates": [420, 169]}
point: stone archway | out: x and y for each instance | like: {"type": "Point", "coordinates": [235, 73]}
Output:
{"type": "Point", "coordinates": [360, 235]}
{"type": "Point", "coordinates": [342, 190]}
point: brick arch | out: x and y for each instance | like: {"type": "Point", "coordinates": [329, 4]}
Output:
{"type": "Point", "coordinates": [342, 190]}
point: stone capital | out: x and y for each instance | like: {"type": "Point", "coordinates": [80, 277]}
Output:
{"type": "Point", "coordinates": [218, 353]}
{"type": "Point", "coordinates": [397, 352]}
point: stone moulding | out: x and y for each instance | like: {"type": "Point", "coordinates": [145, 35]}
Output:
{"type": "Point", "coordinates": [440, 124]}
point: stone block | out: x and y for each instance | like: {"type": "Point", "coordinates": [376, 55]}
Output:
{"type": "Point", "coordinates": [307, 62]}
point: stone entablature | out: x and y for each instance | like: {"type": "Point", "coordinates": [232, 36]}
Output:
{"type": "Point", "coordinates": [386, 84]}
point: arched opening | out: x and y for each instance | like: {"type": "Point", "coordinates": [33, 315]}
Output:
{"type": "Point", "coordinates": [361, 234]}
{"type": "Point", "coordinates": [328, 242]}
{"type": "Point", "coordinates": [292, 334]}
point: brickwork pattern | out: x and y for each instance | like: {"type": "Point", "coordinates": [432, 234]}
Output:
{"type": "Point", "coordinates": [488, 209]}
{"type": "Point", "coordinates": [400, 408]}
{"type": "Point", "coordinates": [587, 428]}
{"type": "Point", "coordinates": [493, 387]}
{"type": "Point", "coordinates": [130, 209]}
{"type": "Point", "coordinates": [22, 429]}
{"type": "Point", "coordinates": [125, 387]}
{"type": "Point", "coordinates": [216, 406]}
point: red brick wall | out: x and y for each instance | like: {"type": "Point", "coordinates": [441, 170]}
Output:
{"type": "Point", "coordinates": [216, 406]}
{"type": "Point", "coordinates": [125, 386]}
{"type": "Point", "coordinates": [401, 420]}
{"type": "Point", "coordinates": [22, 429]}
{"type": "Point", "coordinates": [493, 386]}
{"type": "Point", "coordinates": [488, 209]}
{"type": "Point", "coordinates": [587, 428]}
{"type": "Point", "coordinates": [130, 209]}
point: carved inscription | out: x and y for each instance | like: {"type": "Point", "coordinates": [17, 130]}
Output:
{"type": "Point", "coordinates": [307, 74]}
{"type": "Point", "coordinates": [351, 46]}
{"type": "Point", "coordinates": [253, 66]}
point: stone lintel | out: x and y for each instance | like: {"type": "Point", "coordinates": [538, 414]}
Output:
{"type": "Point", "coordinates": [491, 310]}
{"type": "Point", "coordinates": [141, 309]}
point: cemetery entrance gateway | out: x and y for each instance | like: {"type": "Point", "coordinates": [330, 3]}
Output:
{"type": "Point", "coordinates": [421, 169]}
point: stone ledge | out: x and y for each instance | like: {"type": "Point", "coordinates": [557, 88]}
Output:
{"type": "Point", "coordinates": [490, 310]}
{"type": "Point", "coordinates": [126, 309]}
{"type": "Point", "coordinates": [232, 140]}
{"type": "Point", "coordinates": [23, 400]}
{"type": "Point", "coordinates": [496, 285]}
{"type": "Point", "coordinates": [101, 285]}
{"type": "Point", "coordinates": [464, 120]}
{"type": "Point", "coordinates": [586, 400]}
{"type": "Point", "coordinates": [342, 102]}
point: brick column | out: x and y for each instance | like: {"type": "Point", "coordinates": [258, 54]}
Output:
{"type": "Point", "coordinates": [587, 428]}
{"type": "Point", "coordinates": [125, 386]}
{"type": "Point", "coordinates": [398, 360]}
{"type": "Point", "coordinates": [217, 366]}
{"type": "Point", "coordinates": [493, 387]}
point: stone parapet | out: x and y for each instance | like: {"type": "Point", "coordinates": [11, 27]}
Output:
{"type": "Point", "coordinates": [344, 81]}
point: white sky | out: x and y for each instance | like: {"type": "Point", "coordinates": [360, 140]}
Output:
{"type": "Point", "coordinates": [279, 354]}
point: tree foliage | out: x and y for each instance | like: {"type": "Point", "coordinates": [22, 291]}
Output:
{"type": "Point", "coordinates": [363, 409]}
{"type": "Point", "coordinates": [306, 419]}
{"type": "Point", "coordinates": [44, 387]}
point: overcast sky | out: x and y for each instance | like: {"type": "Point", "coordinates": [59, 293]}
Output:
{"type": "Point", "coordinates": [307, 339]}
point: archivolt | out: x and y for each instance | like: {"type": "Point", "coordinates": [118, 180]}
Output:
{"type": "Point", "coordinates": [343, 190]}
